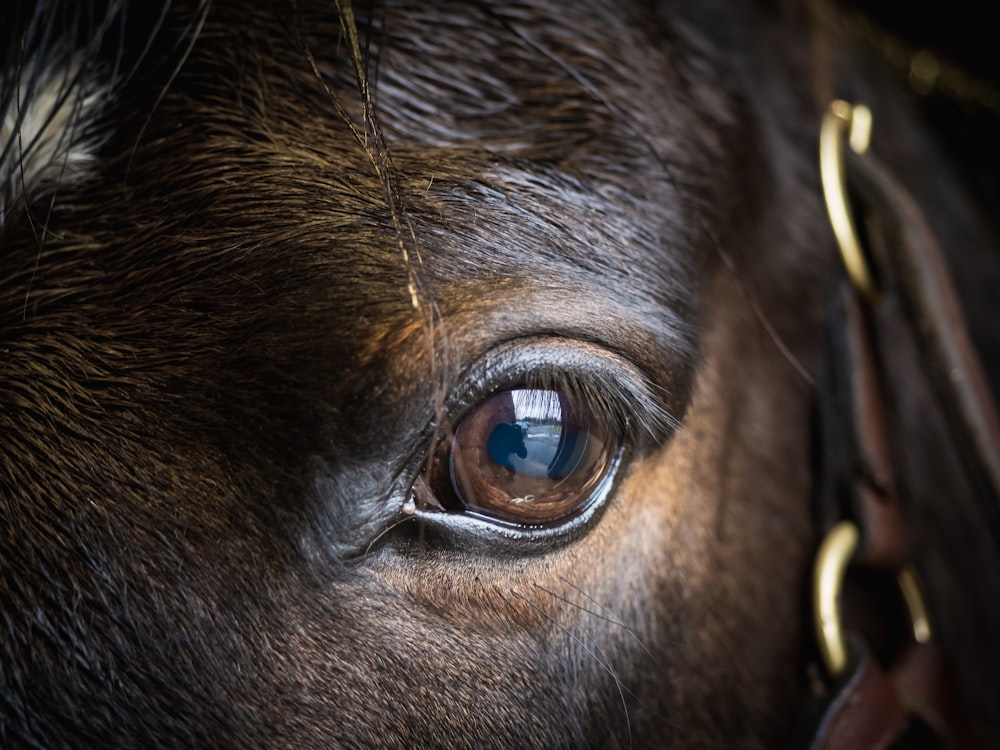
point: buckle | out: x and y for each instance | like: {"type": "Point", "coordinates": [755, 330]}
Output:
{"type": "Point", "coordinates": [832, 560]}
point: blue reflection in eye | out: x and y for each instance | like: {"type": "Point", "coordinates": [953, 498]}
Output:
{"type": "Point", "coordinates": [540, 443]}
{"type": "Point", "coordinates": [506, 443]}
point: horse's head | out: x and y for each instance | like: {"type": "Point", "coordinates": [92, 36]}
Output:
{"type": "Point", "coordinates": [416, 375]}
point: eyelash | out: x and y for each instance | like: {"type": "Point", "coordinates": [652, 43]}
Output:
{"type": "Point", "coordinates": [594, 376]}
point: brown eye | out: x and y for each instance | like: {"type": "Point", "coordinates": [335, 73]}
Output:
{"type": "Point", "coordinates": [530, 457]}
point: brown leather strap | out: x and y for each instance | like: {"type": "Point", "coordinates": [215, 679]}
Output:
{"type": "Point", "coordinates": [907, 425]}
{"type": "Point", "coordinates": [916, 278]}
{"type": "Point", "coordinates": [864, 711]}
{"type": "Point", "coordinates": [914, 338]}
{"type": "Point", "coordinates": [926, 688]}
{"type": "Point", "coordinates": [860, 478]}
{"type": "Point", "coordinates": [861, 710]}
{"type": "Point", "coordinates": [913, 706]}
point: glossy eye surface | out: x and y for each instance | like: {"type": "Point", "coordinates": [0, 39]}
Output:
{"type": "Point", "coordinates": [530, 457]}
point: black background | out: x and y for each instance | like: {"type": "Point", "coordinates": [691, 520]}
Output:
{"type": "Point", "coordinates": [962, 33]}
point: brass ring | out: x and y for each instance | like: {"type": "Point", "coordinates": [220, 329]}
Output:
{"type": "Point", "coordinates": [834, 556]}
{"type": "Point", "coordinates": [828, 579]}
{"type": "Point", "coordinates": [856, 121]}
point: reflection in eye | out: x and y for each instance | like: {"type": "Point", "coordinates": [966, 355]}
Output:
{"type": "Point", "coordinates": [530, 457]}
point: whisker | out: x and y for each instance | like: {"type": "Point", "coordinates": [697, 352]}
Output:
{"type": "Point", "coordinates": [598, 615]}
{"type": "Point", "coordinates": [597, 655]}
{"type": "Point", "coordinates": [614, 621]}
{"type": "Point", "coordinates": [382, 533]}
{"type": "Point", "coordinates": [610, 617]}
{"type": "Point", "coordinates": [762, 318]}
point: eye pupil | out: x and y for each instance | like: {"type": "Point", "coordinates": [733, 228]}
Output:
{"type": "Point", "coordinates": [530, 457]}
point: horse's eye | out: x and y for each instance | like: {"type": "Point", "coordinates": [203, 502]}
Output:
{"type": "Point", "coordinates": [529, 457]}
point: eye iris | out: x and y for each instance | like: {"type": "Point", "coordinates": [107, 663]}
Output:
{"type": "Point", "coordinates": [530, 457]}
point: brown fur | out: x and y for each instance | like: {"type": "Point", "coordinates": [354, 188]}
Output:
{"type": "Point", "coordinates": [229, 347]}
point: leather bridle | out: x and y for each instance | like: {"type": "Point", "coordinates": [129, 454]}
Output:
{"type": "Point", "coordinates": [895, 319]}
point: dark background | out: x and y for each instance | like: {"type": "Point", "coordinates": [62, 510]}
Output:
{"type": "Point", "coordinates": [961, 33]}
{"type": "Point", "coordinates": [962, 30]}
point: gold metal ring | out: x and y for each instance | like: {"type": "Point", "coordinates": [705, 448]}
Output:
{"type": "Point", "coordinates": [856, 121]}
{"type": "Point", "coordinates": [834, 556]}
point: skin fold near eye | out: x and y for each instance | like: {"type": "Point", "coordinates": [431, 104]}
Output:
{"type": "Point", "coordinates": [530, 457]}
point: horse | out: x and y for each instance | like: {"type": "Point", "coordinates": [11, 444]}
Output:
{"type": "Point", "coordinates": [402, 374]}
